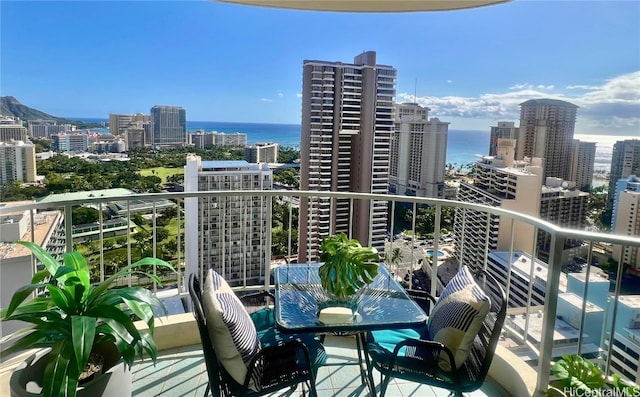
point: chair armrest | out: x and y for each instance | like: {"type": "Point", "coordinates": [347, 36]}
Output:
{"type": "Point", "coordinates": [257, 298]}
{"type": "Point", "coordinates": [278, 363]}
{"type": "Point", "coordinates": [425, 353]}
{"type": "Point", "coordinates": [424, 299]}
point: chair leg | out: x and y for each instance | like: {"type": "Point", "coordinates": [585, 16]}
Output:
{"type": "Point", "coordinates": [206, 391]}
{"type": "Point", "coordinates": [383, 385]}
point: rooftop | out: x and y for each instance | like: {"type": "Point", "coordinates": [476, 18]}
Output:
{"type": "Point", "coordinates": [85, 195]}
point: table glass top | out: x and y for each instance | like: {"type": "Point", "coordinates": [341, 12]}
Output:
{"type": "Point", "coordinates": [383, 304]}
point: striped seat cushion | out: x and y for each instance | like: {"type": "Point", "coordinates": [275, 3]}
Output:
{"type": "Point", "coordinates": [232, 333]}
{"type": "Point", "coordinates": [457, 317]}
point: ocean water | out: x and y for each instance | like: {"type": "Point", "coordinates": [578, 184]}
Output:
{"type": "Point", "coordinates": [463, 147]}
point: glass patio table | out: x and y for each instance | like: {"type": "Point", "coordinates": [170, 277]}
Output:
{"type": "Point", "coordinates": [383, 304]}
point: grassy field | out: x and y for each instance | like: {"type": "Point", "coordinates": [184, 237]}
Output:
{"type": "Point", "coordinates": [162, 172]}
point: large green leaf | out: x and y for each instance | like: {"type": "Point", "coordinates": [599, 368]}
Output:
{"type": "Point", "coordinates": [83, 331]}
{"type": "Point", "coordinates": [63, 299]}
{"type": "Point", "coordinates": [77, 262]}
{"type": "Point", "coordinates": [49, 262]}
{"type": "Point", "coordinates": [61, 273]}
{"type": "Point", "coordinates": [579, 373]}
{"type": "Point", "coordinates": [149, 346]}
{"type": "Point", "coordinates": [115, 313]}
{"type": "Point", "coordinates": [40, 276]}
{"type": "Point", "coordinates": [22, 341]}
{"type": "Point", "coordinates": [142, 310]}
{"type": "Point", "coordinates": [60, 375]}
{"type": "Point", "coordinates": [18, 297]}
{"type": "Point", "coordinates": [348, 266]}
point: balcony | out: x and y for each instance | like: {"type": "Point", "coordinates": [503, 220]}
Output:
{"type": "Point", "coordinates": [530, 341]}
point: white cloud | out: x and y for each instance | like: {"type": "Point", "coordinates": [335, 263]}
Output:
{"type": "Point", "coordinates": [527, 86]}
{"type": "Point", "coordinates": [581, 87]}
{"type": "Point", "coordinates": [266, 100]}
{"type": "Point", "coordinates": [449, 81]}
{"type": "Point", "coordinates": [299, 95]}
{"type": "Point", "coordinates": [613, 107]}
{"type": "Point", "coordinates": [280, 94]}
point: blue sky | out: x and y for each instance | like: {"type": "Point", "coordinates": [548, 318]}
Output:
{"type": "Point", "coordinates": [225, 62]}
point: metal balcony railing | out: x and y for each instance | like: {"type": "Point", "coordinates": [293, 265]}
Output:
{"type": "Point", "coordinates": [245, 233]}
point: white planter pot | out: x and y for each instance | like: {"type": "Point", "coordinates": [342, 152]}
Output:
{"type": "Point", "coordinates": [26, 380]}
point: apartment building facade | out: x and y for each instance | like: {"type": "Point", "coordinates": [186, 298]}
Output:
{"type": "Point", "coordinates": [504, 130]}
{"type": "Point", "coordinates": [582, 160]}
{"type": "Point", "coordinates": [625, 161]}
{"type": "Point", "coordinates": [628, 224]}
{"type": "Point", "coordinates": [347, 122]}
{"type": "Point", "coordinates": [546, 131]}
{"type": "Point", "coordinates": [500, 182]}
{"type": "Point", "coordinates": [261, 153]}
{"type": "Point", "coordinates": [169, 125]}
{"type": "Point", "coordinates": [232, 235]}
{"type": "Point", "coordinates": [418, 153]}
{"type": "Point", "coordinates": [17, 162]}
{"type": "Point", "coordinates": [65, 142]}
{"type": "Point", "coordinates": [12, 132]}
{"type": "Point", "coordinates": [564, 206]}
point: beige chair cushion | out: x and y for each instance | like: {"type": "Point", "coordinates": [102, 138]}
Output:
{"type": "Point", "coordinates": [457, 317]}
{"type": "Point", "coordinates": [232, 333]}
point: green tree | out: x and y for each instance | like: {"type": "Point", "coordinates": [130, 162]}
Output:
{"type": "Point", "coordinates": [287, 154]}
{"type": "Point", "coordinates": [82, 215]}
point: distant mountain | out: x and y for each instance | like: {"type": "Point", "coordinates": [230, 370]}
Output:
{"type": "Point", "coordinates": [10, 106]}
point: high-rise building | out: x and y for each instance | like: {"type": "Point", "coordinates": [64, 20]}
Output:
{"type": "Point", "coordinates": [625, 161]}
{"type": "Point", "coordinates": [418, 153]}
{"type": "Point", "coordinates": [12, 131]}
{"type": "Point", "coordinates": [230, 234]}
{"type": "Point", "coordinates": [135, 137]}
{"type": "Point", "coordinates": [632, 184]}
{"type": "Point", "coordinates": [562, 204]}
{"type": "Point", "coordinates": [45, 128]}
{"type": "Point", "coordinates": [169, 126]}
{"type": "Point", "coordinates": [628, 224]}
{"type": "Point", "coordinates": [17, 162]}
{"type": "Point", "coordinates": [64, 142]}
{"type": "Point", "coordinates": [582, 159]}
{"type": "Point", "coordinates": [546, 131]}
{"type": "Point", "coordinates": [504, 130]}
{"type": "Point", "coordinates": [118, 123]}
{"type": "Point", "coordinates": [347, 122]}
{"type": "Point", "coordinates": [500, 182]}
{"type": "Point", "coordinates": [625, 349]}
{"type": "Point", "coordinates": [232, 139]}
{"type": "Point", "coordinates": [201, 139]}
{"type": "Point", "coordinates": [261, 153]}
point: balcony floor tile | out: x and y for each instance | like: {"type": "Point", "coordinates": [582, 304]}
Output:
{"type": "Point", "coordinates": [181, 373]}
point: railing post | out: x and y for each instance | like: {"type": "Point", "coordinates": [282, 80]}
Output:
{"type": "Point", "coordinates": [68, 227]}
{"type": "Point", "coordinates": [434, 252]}
{"type": "Point", "coordinates": [101, 240]}
{"type": "Point", "coordinates": [550, 309]}
{"type": "Point", "coordinates": [614, 314]}
{"type": "Point", "coordinates": [267, 270]}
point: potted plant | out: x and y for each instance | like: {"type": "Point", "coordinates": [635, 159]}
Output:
{"type": "Point", "coordinates": [78, 322]}
{"type": "Point", "coordinates": [576, 375]}
{"type": "Point", "coordinates": [348, 266]}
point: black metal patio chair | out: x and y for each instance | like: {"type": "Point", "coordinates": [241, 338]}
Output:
{"type": "Point", "coordinates": [413, 355]}
{"type": "Point", "coordinates": [283, 361]}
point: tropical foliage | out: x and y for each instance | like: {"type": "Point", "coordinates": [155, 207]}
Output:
{"type": "Point", "coordinates": [74, 316]}
{"type": "Point", "coordinates": [348, 266]}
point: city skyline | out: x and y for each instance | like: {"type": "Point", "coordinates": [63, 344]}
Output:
{"type": "Point", "coordinates": [471, 67]}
